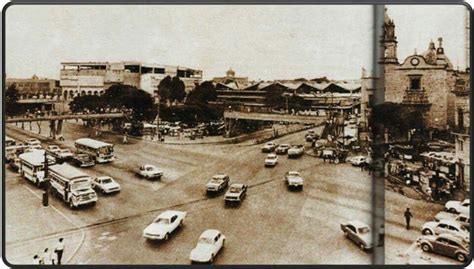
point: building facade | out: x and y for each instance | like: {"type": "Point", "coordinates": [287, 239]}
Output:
{"type": "Point", "coordinates": [422, 82]}
{"type": "Point", "coordinates": [231, 78]}
{"type": "Point", "coordinates": [93, 78]}
{"type": "Point", "coordinates": [34, 86]}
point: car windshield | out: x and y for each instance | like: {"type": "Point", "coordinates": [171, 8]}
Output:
{"type": "Point", "coordinates": [216, 180]}
{"type": "Point", "coordinates": [106, 180]}
{"type": "Point", "coordinates": [293, 174]}
{"type": "Point", "coordinates": [161, 221]}
{"type": "Point", "coordinates": [363, 230]}
{"type": "Point", "coordinates": [234, 189]}
{"type": "Point", "coordinates": [83, 157]}
{"type": "Point", "coordinates": [271, 157]}
{"type": "Point", "coordinates": [204, 240]}
{"type": "Point", "coordinates": [149, 168]}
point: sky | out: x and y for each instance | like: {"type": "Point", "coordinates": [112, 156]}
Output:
{"type": "Point", "coordinates": [261, 42]}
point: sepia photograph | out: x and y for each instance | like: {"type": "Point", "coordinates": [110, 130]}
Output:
{"type": "Point", "coordinates": [236, 134]}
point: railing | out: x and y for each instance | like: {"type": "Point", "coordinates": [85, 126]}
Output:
{"type": "Point", "coordinates": [418, 97]}
{"type": "Point", "coordinates": [64, 117]}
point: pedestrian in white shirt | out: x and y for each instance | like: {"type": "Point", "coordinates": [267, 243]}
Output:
{"type": "Point", "coordinates": [59, 250]}
{"type": "Point", "coordinates": [46, 257]}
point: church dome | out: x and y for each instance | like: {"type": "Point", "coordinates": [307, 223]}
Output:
{"type": "Point", "coordinates": [430, 54]}
{"type": "Point", "coordinates": [230, 73]}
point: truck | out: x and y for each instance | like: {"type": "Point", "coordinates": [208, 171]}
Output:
{"type": "Point", "coordinates": [72, 185]}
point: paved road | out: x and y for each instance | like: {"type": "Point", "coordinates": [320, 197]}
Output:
{"type": "Point", "coordinates": [273, 225]}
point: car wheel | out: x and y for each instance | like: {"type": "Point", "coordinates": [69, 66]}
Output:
{"type": "Point", "coordinates": [212, 259]}
{"type": "Point", "coordinates": [461, 257]}
{"type": "Point", "coordinates": [166, 236]}
{"type": "Point", "coordinates": [452, 210]}
{"type": "Point", "coordinates": [71, 204]}
{"type": "Point", "coordinates": [223, 242]}
{"type": "Point", "coordinates": [180, 224]}
{"type": "Point", "coordinates": [425, 247]}
{"type": "Point", "coordinates": [427, 232]}
{"type": "Point", "coordinates": [361, 245]}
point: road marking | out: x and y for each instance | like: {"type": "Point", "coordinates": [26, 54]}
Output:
{"type": "Point", "coordinates": [83, 233]}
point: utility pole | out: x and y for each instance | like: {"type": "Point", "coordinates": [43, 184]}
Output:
{"type": "Point", "coordinates": [157, 119]}
{"type": "Point", "coordinates": [46, 180]}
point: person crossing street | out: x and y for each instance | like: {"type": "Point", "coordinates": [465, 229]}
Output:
{"type": "Point", "coordinates": [59, 250]}
{"type": "Point", "coordinates": [408, 217]}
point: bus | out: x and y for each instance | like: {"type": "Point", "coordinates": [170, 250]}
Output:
{"type": "Point", "coordinates": [100, 151]}
{"type": "Point", "coordinates": [32, 166]}
{"type": "Point", "coordinates": [9, 141]}
{"type": "Point", "coordinates": [72, 185]}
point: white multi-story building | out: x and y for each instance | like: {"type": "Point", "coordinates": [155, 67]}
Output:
{"type": "Point", "coordinates": [93, 78]}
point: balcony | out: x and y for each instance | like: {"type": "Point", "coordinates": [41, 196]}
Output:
{"type": "Point", "coordinates": [415, 97]}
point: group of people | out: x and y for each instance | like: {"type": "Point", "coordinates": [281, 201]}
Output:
{"type": "Point", "coordinates": [52, 257]}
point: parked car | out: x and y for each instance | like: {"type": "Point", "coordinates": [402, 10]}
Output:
{"type": "Point", "coordinates": [149, 171]}
{"type": "Point", "coordinates": [32, 142]}
{"type": "Point", "coordinates": [164, 225]}
{"type": "Point", "coordinates": [294, 179]}
{"type": "Point", "coordinates": [445, 244]}
{"type": "Point", "coordinates": [269, 147]}
{"type": "Point", "coordinates": [359, 233]}
{"type": "Point", "coordinates": [271, 160]}
{"type": "Point", "coordinates": [52, 148]}
{"type": "Point", "coordinates": [458, 206]}
{"type": "Point", "coordinates": [209, 244]}
{"type": "Point", "coordinates": [311, 137]}
{"type": "Point", "coordinates": [445, 226]}
{"type": "Point", "coordinates": [358, 160]}
{"type": "Point", "coordinates": [83, 160]}
{"type": "Point", "coordinates": [296, 151]}
{"type": "Point", "coordinates": [15, 164]}
{"type": "Point", "coordinates": [217, 183]}
{"type": "Point", "coordinates": [105, 184]}
{"type": "Point", "coordinates": [461, 218]}
{"type": "Point", "coordinates": [236, 193]}
{"type": "Point", "coordinates": [62, 154]}
{"type": "Point", "coordinates": [282, 149]}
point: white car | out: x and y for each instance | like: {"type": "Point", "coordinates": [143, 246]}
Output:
{"type": "Point", "coordinates": [296, 151]}
{"type": "Point", "coordinates": [458, 207]}
{"type": "Point", "coordinates": [271, 160]}
{"type": "Point", "coordinates": [105, 184]}
{"type": "Point", "coordinates": [218, 183]}
{"type": "Point", "coordinates": [53, 148]}
{"type": "Point", "coordinates": [445, 226]}
{"type": "Point", "coordinates": [359, 233]}
{"type": "Point", "coordinates": [63, 154]}
{"type": "Point", "coordinates": [32, 141]}
{"type": "Point", "coordinates": [294, 179]}
{"type": "Point", "coordinates": [269, 147]}
{"type": "Point", "coordinates": [149, 171]}
{"type": "Point", "coordinates": [461, 218]}
{"type": "Point", "coordinates": [164, 225]}
{"type": "Point", "coordinates": [358, 160]}
{"type": "Point", "coordinates": [209, 244]}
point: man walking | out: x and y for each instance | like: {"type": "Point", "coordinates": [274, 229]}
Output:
{"type": "Point", "coordinates": [408, 217]}
{"type": "Point", "coordinates": [59, 250]}
{"type": "Point", "coordinates": [36, 259]}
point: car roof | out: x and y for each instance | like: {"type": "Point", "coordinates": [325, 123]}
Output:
{"type": "Point", "coordinates": [103, 177]}
{"type": "Point", "coordinates": [450, 222]}
{"type": "Point", "coordinates": [271, 155]}
{"type": "Point", "coordinates": [451, 237]}
{"type": "Point", "coordinates": [357, 223]}
{"type": "Point", "coordinates": [169, 213]}
{"type": "Point", "coordinates": [219, 176]}
{"type": "Point", "coordinates": [292, 172]}
{"type": "Point", "coordinates": [210, 233]}
{"type": "Point", "coordinates": [239, 185]}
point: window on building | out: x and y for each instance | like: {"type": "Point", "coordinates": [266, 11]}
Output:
{"type": "Point", "coordinates": [415, 82]}
{"type": "Point", "coordinates": [133, 68]}
{"type": "Point", "coordinates": [159, 70]}
{"type": "Point", "coordinates": [461, 144]}
{"type": "Point", "coordinates": [460, 118]}
{"type": "Point", "coordinates": [146, 70]}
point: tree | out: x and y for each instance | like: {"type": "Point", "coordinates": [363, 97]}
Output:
{"type": "Point", "coordinates": [177, 91]}
{"type": "Point", "coordinates": [202, 94]}
{"type": "Point", "coordinates": [90, 102]}
{"type": "Point", "coordinates": [164, 89]}
{"type": "Point", "coordinates": [11, 101]}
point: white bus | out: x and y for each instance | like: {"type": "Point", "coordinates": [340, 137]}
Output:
{"type": "Point", "coordinates": [32, 166]}
{"type": "Point", "coordinates": [102, 152]}
{"type": "Point", "coordinates": [72, 185]}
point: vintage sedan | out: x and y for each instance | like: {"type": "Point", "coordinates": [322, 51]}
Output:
{"type": "Point", "coordinates": [294, 179]}
{"type": "Point", "coordinates": [461, 218]}
{"type": "Point", "coordinates": [149, 171]}
{"type": "Point", "coordinates": [269, 147]}
{"type": "Point", "coordinates": [164, 225]}
{"type": "Point", "coordinates": [236, 193]}
{"type": "Point", "coordinates": [282, 149]}
{"type": "Point", "coordinates": [445, 244]}
{"type": "Point", "coordinates": [271, 160]}
{"type": "Point", "coordinates": [458, 206]}
{"type": "Point", "coordinates": [83, 160]}
{"type": "Point", "coordinates": [296, 151]}
{"type": "Point", "coordinates": [217, 183]}
{"type": "Point", "coordinates": [359, 233]}
{"type": "Point", "coordinates": [209, 244]}
{"type": "Point", "coordinates": [105, 184]}
{"type": "Point", "coordinates": [445, 226]}
{"type": "Point", "coordinates": [359, 160]}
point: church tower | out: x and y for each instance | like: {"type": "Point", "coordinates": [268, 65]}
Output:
{"type": "Point", "coordinates": [389, 41]}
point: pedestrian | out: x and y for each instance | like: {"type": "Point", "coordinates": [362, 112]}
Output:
{"type": "Point", "coordinates": [408, 217]}
{"type": "Point", "coordinates": [125, 139]}
{"type": "Point", "coordinates": [36, 259]}
{"type": "Point", "coordinates": [46, 258]}
{"type": "Point", "coordinates": [59, 250]}
{"type": "Point", "coordinates": [381, 235]}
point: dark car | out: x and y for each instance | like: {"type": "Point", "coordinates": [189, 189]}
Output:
{"type": "Point", "coordinates": [218, 183]}
{"type": "Point", "coordinates": [82, 160]}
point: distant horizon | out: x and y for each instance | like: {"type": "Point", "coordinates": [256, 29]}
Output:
{"type": "Point", "coordinates": [263, 43]}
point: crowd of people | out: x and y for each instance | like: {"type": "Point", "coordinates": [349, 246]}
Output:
{"type": "Point", "coordinates": [51, 257]}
